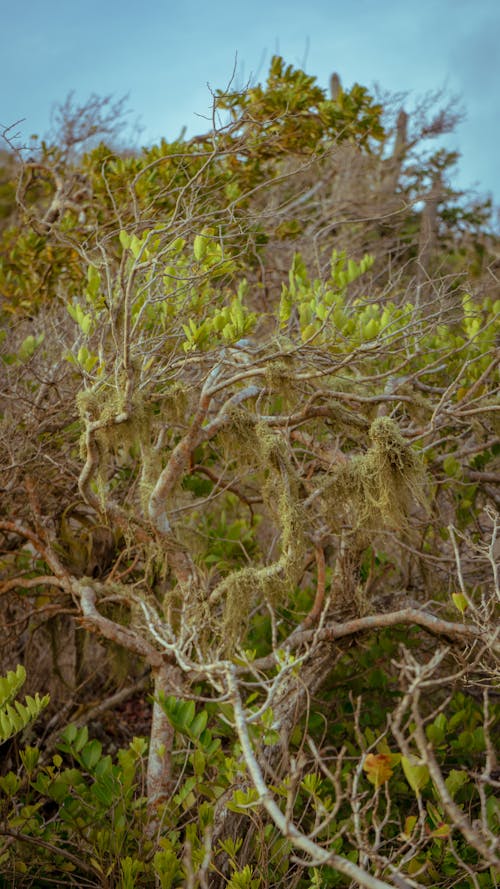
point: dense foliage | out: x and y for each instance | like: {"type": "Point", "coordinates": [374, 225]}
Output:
{"type": "Point", "coordinates": [249, 508]}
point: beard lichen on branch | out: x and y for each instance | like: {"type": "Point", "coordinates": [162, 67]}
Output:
{"type": "Point", "coordinates": [114, 426]}
{"type": "Point", "coordinates": [378, 486]}
{"type": "Point", "coordinates": [242, 589]}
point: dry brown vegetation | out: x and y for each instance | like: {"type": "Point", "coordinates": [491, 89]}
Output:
{"type": "Point", "coordinates": [249, 467]}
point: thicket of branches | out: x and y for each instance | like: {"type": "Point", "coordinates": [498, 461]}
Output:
{"type": "Point", "coordinates": [249, 475]}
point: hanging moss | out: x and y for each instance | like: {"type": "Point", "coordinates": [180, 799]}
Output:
{"type": "Point", "coordinates": [280, 380]}
{"type": "Point", "coordinates": [87, 401]}
{"type": "Point", "coordinates": [272, 583]}
{"type": "Point", "coordinates": [151, 467]}
{"type": "Point", "coordinates": [239, 437]}
{"type": "Point", "coordinates": [241, 590]}
{"type": "Point", "coordinates": [100, 405]}
{"type": "Point", "coordinates": [378, 486]}
{"type": "Point", "coordinates": [175, 403]}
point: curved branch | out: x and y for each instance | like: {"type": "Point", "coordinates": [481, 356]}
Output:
{"type": "Point", "coordinates": [434, 625]}
{"type": "Point", "coordinates": [180, 458]}
{"type": "Point", "coordinates": [45, 551]}
{"type": "Point", "coordinates": [319, 598]}
{"type": "Point", "coordinates": [130, 639]}
{"type": "Point", "coordinates": [317, 853]}
{"type": "Point", "coordinates": [27, 583]}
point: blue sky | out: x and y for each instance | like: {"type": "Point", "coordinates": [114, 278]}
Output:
{"type": "Point", "coordinates": [163, 53]}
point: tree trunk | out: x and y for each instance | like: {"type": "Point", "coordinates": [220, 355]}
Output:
{"type": "Point", "coordinates": [167, 680]}
{"type": "Point", "coordinates": [427, 242]}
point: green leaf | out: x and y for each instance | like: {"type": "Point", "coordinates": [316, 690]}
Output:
{"type": "Point", "coordinates": [29, 346]}
{"type": "Point", "coordinates": [309, 331]}
{"type": "Point", "coordinates": [452, 467]}
{"type": "Point", "coordinates": [244, 879]}
{"type": "Point", "coordinates": [86, 359]}
{"type": "Point", "coordinates": [210, 746]}
{"type": "Point", "coordinates": [166, 866]}
{"type": "Point", "coordinates": [285, 306]}
{"type": "Point", "coordinates": [371, 329]}
{"type": "Point", "coordinates": [185, 790]}
{"type": "Point", "coordinates": [417, 774]}
{"type": "Point", "coordinates": [436, 731]}
{"type": "Point", "coordinates": [199, 762]}
{"type": "Point", "coordinates": [321, 311]}
{"type": "Point", "coordinates": [81, 738]}
{"type": "Point", "coordinates": [185, 714]}
{"type": "Point", "coordinates": [243, 799]}
{"type": "Point", "coordinates": [353, 271]}
{"type": "Point", "coordinates": [11, 683]}
{"type": "Point", "coordinates": [16, 720]}
{"type": "Point", "coordinates": [455, 780]}
{"type": "Point", "coordinates": [91, 754]}
{"type": "Point", "coordinates": [93, 280]}
{"type": "Point", "coordinates": [125, 240]}
{"type": "Point", "coordinates": [198, 724]}
{"type": "Point", "coordinates": [200, 246]}
{"type": "Point", "coordinates": [69, 734]}
{"type": "Point", "coordinates": [86, 324]}
{"type": "Point", "coordinates": [180, 713]}
{"type": "Point", "coordinates": [493, 813]}
{"type": "Point", "coordinates": [30, 757]}
{"type": "Point", "coordinates": [177, 245]}
{"type": "Point", "coordinates": [139, 746]}
{"type": "Point", "coordinates": [10, 784]}
{"type": "Point", "coordinates": [410, 823]}
{"type": "Point", "coordinates": [135, 246]}
{"type": "Point", "coordinates": [460, 602]}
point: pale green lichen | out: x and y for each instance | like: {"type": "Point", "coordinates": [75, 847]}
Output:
{"type": "Point", "coordinates": [121, 428]}
{"type": "Point", "coordinates": [378, 486]}
{"type": "Point", "coordinates": [174, 402]}
{"type": "Point", "coordinates": [280, 380]}
{"type": "Point", "coordinates": [242, 589]}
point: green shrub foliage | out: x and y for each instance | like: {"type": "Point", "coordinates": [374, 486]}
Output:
{"type": "Point", "coordinates": [249, 468]}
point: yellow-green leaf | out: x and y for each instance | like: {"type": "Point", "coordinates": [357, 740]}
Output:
{"type": "Point", "coordinates": [452, 467]}
{"type": "Point", "coordinates": [460, 602]}
{"type": "Point", "coordinates": [200, 248]}
{"type": "Point", "coordinates": [416, 773]}
{"type": "Point", "coordinates": [410, 823]}
{"type": "Point", "coordinates": [125, 240]}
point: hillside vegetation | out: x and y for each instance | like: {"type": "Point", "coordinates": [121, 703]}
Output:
{"type": "Point", "coordinates": [249, 517]}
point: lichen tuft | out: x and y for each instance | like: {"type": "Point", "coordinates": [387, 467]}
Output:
{"type": "Point", "coordinates": [378, 486]}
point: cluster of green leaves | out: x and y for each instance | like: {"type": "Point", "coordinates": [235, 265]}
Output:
{"type": "Point", "coordinates": [99, 814]}
{"type": "Point", "coordinates": [178, 266]}
{"type": "Point", "coordinates": [15, 716]}
{"type": "Point", "coordinates": [83, 813]}
{"type": "Point", "coordinates": [328, 317]}
{"type": "Point", "coordinates": [287, 117]}
{"type": "Point", "coordinates": [290, 113]}
{"type": "Point", "coordinates": [402, 784]}
{"type": "Point", "coordinates": [33, 270]}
